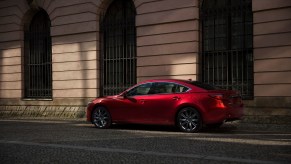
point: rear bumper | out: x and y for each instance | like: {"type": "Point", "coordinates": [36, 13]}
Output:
{"type": "Point", "coordinates": [220, 115]}
{"type": "Point", "coordinates": [235, 114]}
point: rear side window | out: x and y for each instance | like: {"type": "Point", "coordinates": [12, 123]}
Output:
{"type": "Point", "coordinates": [164, 87]}
{"type": "Point", "coordinates": [203, 85]}
{"type": "Point", "coordinates": [180, 89]}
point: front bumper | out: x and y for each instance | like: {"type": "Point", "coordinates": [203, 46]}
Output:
{"type": "Point", "coordinates": [88, 111]}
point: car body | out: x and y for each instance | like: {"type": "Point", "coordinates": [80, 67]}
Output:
{"type": "Point", "coordinates": [185, 103]}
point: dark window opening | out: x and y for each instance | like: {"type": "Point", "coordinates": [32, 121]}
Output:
{"type": "Point", "coordinates": [118, 48]}
{"type": "Point", "coordinates": [227, 45]}
{"type": "Point", "coordinates": [38, 58]}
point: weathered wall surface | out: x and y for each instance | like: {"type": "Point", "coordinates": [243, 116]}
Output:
{"type": "Point", "coordinates": [11, 14]}
{"type": "Point", "coordinates": [272, 58]}
{"type": "Point", "coordinates": [272, 47]}
{"type": "Point", "coordinates": [167, 39]}
{"type": "Point", "coordinates": [74, 50]}
{"type": "Point", "coordinates": [167, 47]}
{"type": "Point", "coordinates": [74, 39]}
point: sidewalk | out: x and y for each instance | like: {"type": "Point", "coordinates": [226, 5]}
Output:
{"type": "Point", "coordinates": [242, 125]}
{"type": "Point", "coordinates": [77, 113]}
{"type": "Point", "coordinates": [235, 125]}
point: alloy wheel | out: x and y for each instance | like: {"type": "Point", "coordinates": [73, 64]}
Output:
{"type": "Point", "coordinates": [101, 117]}
{"type": "Point", "coordinates": [189, 120]}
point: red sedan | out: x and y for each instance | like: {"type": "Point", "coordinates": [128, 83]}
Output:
{"type": "Point", "coordinates": [186, 104]}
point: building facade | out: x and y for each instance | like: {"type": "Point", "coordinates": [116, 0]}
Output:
{"type": "Point", "coordinates": [56, 55]}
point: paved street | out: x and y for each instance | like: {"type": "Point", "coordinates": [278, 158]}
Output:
{"type": "Point", "coordinates": [45, 141]}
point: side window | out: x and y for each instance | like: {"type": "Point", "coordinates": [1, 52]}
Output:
{"type": "Point", "coordinates": [140, 90]}
{"type": "Point", "coordinates": [161, 88]}
{"type": "Point", "coordinates": [180, 89]}
{"type": "Point", "coordinates": [167, 88]}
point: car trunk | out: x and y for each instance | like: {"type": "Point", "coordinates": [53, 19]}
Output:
{"type": "Point", "coordinates": [228, 97]}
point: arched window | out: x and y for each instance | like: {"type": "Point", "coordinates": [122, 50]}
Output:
{"type": "Point", "coordinates": [118, 47]}
{"type": "Point", "coordinates": [227, 44]}
{"type": "Point", "coordinates": [38, 58]}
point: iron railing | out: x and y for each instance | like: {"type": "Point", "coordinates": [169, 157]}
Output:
{"type": "Point", "coordinates": [38, 58]}
{"type": "Point", "coordinates": [229, 70]}
{"type": "Point", "coordinates": [118, 48]}
{"type": "Point", "coordinates": [227, 45]}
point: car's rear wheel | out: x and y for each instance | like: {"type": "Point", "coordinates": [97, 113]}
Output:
{"type": "Point", "coordinates": [101, 117]}
{"type": "Point", "coordinates": [189, 120]}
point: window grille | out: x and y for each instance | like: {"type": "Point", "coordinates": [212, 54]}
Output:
{"type": "Point", "coordinates": [118, 47]}
{"type": "Point", "coordinates": [227, 45]}
{"type": "Point", "coordinates": [37, 58]}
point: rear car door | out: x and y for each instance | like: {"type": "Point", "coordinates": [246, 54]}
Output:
{"type": "Point", "coordinates": [161, 103]}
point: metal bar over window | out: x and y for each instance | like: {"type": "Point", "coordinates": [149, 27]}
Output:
{"type": "Point", "coordinates": [227, 45]}
{"type": "Point", "coordinates": [38, 58]}
{"type": "Point", "coordinates": [118, 47]}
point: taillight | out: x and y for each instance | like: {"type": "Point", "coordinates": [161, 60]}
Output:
{"type": "Point", "coordinates": [218, 100]}
{"type": "Point", "coordinates": [217, 96]}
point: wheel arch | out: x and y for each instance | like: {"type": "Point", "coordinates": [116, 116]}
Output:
{"type": "Point", "coordinates": [94, 107]}
{"type": "Point", "coordinates": [198, 108]}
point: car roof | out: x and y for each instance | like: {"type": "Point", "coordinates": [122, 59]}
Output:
{"type": "Point", "coordinates": [179, 81]}
{"type": "Point", "coordinates": [165, 80]}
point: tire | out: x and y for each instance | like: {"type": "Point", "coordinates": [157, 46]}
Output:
{"type": "Point", "coordinates": [101, 118]}
{"type": "Point", "coordinates": [189, 120]}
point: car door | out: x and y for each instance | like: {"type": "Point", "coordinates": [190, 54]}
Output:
{"type": "Point", "coordinates": [132, 103]}
{"type": "Point", "coordinates": [123, 109]}
{"type": "Point", "coordinates": [160, 104]}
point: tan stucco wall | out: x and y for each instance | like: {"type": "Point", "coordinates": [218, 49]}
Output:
{"type": "Point", "coordinates": [167, 47]}
{"type": "Point", "coordinates": [272, 47]}
{"type": "Point", "coordinates": [74, 50]}
{"type": "Point", "coordinates": [272, 58]}
{"type": "Point", "coordinates": [167, 39]}
{"type": "Point", "coordinates": [11, 13]}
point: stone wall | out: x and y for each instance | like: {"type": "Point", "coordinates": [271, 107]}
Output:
{"type": "Point", "coordinates": [167, 47]}
{"type": "Point", "coordinates": [167, 39]}
{"type": "Point", "coordinates": [272, 58]}
{"type": "Point", "coordinates": [272, 48]}
{"type": "Point", "coordinates": [42, 112]}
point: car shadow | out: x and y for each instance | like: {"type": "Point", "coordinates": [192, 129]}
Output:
{"type": "Point", "coordinates": [162, 128]}
{"type": "Point", "coordinates": [144, 127]}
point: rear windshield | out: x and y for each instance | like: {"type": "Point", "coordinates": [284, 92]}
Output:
{"type": "Point", "coordinates": [203, 85]}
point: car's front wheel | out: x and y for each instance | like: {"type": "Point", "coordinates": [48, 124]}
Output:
{"type": "Point", "coordinates": [189, 120]}
{"type": "Point", "coordinates": [101, 117]}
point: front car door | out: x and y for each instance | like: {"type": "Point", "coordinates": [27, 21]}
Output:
{"type": "Point", "coordinates": [134, 102]}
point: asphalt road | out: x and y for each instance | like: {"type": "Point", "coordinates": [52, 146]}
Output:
{"type": "Point", "coordinates": [44, 141]}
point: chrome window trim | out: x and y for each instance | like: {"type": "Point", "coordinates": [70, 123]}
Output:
{"type": "Point", "coordinates": [188, 89]}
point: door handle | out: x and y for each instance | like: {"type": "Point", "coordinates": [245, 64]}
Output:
{"type": "Point", "coordinates": [142, 101]}
{"type": "Point", "coordinates": [176, 98]}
